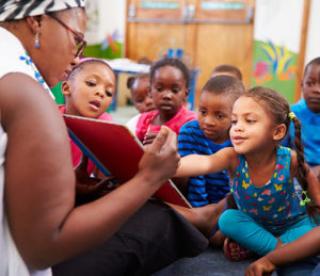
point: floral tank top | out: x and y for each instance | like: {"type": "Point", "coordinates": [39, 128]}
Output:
{"type": "Point", "coordinates": [276, 205]}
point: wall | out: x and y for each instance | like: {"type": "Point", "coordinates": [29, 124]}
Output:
{"type": "Point", "coordinates": [209, 36]}
{"type": "Point", "coordinates": [277, 33]}
{"type": "Point", "coordinates": [276, 43]}
{"type": "Point", "coordinates": [106, 27]}
{"type": "Point", "coordinates": [313, 40]}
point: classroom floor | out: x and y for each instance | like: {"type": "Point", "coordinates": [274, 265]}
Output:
{"type": "Point", "coordinates": [209, 263]}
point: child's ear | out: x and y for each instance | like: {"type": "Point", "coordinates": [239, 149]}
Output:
{"type": "Point", "coordinates": [279, 132]}
{"type": "Point", "coordinates": [66, 89]}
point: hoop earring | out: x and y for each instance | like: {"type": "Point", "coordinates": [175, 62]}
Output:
{"type": "Point", "coordinates": [37, 41]}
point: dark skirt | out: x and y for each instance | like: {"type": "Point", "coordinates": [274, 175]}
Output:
{"type": "Point", "coordinates": [152, 238]}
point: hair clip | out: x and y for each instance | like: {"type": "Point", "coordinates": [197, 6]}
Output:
{"type": "Point", "coordinates": [291, 115]}
{"type": "Point", "coordinates": [305, 200]}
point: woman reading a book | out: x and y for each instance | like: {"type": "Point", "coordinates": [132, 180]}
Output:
{"type": "Point", "coordinates": [40, 225]}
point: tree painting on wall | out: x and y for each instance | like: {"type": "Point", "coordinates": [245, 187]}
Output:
{"type": "Point", "coordinates": [277, 44]}
{"type": "Point", "coordinates": [275, 67]}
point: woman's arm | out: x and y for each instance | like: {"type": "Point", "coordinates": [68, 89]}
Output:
{"type": "Point", "coordinates": [40, 182]}
{"type": "Point", "coordinates": [306, 246]}
{"type": "Point", "coordinates": [193, 165]}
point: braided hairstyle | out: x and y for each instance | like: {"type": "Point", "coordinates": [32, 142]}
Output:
{"type": "Point", "coordinates": [173, 62]}
{"type": "Point", "coordinates": [278, 107]}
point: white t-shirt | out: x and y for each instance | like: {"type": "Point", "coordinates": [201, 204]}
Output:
{"type": "Point", "coordinates": [132, 123]}
{"type": "Point", "coordinates": [13, 59]}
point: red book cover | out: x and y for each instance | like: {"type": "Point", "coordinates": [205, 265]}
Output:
{"type": "Point", "coordinates": [116, 151]}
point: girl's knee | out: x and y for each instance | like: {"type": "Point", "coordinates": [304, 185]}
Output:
{"type": "Point", "coordinates": [227, 221]}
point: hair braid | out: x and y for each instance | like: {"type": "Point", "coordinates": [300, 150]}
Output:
{"type": "Point", "coordinates": [301, 169]}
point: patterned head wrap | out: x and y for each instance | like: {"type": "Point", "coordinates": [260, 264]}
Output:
{"type": "Point", "coordinates": [18, 9]}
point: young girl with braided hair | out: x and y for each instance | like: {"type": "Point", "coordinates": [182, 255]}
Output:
{"type": "Point", "coordinates": [271, 208]}
{"type": "Point", "coordinates": [169, 85]}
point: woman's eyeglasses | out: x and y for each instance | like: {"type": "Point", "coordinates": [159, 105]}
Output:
{"type": "Point", "coordinates": [78, 37]}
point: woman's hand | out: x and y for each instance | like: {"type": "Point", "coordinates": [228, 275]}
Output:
{"type": "Point", "coordinates": [260, 267]}
{"type": "Point", "coordinates": [161, 158]}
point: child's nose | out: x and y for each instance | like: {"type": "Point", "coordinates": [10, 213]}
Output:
{"type": "Point", "coordinates": [100, 93]}
{"type": "Point", "coordinates": [167, 94]}
{"type": "Point", "coordinates": [210, 121]}
{"type": "Point", "coordinates": [238, 127]}
{"type": "Point", "coordinates": [317, 88]}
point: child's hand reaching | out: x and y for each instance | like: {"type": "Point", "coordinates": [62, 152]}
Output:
{"type": "Point", "coordinates": [87, 186]}
{"type": "Point", "coordinates": [261, 267]}
{"type": "Point", "coordinates": [151, 134]}
{"type": "Point", "coordinates": [160, 159]}
{"type": "Point", "coordinates": [149, 137]}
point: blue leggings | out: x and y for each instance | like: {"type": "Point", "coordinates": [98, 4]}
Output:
{"type": "Point", "coordinates": [247, 232]}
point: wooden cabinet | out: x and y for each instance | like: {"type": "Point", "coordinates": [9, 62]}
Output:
{"type": "Point", "coordinates": [210, 32]}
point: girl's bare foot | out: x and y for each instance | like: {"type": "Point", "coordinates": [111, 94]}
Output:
{"type": "Point", "coordinates": [204, 218]}
{"type": "Point", "coordinates": [234, 252]}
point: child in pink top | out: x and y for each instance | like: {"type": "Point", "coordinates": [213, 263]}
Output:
{"type": "Point", "coordinates": [88, 92]}
{"type": "Point", "coordinates": [76, 152]}
{"type": "Point", "coordinates": [169, 79]}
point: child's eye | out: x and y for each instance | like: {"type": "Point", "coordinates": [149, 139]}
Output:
{"type": "Point", "coordinates": [202, 112]}
{"type": "Point", "coordinates": [176, 90]}
{"type": "Point", "coordinates": [233, 122]}
{"type": "Point", "coordinates": [220, 116]}
{"type": "Point", "coordinates": [250, 121]}
{"type": "Point", "coordinates": [109, 94]}
{"type": "Point", "coordinates": [158, 88]}
{"type": "Point", "coordinates": [91, 83]}
{"type": "Point", "coordinates": [139, 100]}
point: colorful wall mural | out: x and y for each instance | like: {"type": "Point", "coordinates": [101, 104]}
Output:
{"type": "Point", "coordinates": [276, 45]}
{"type": "Point", "coordinates": [275, 67]}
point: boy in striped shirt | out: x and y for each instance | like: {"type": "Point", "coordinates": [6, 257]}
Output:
{"type": "Point", "coordinates": [208, 134]}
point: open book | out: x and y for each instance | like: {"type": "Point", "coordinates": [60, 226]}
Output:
{"type": "Point", "coordinates": [116, 151]}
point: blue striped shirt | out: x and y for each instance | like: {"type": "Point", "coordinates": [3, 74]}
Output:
{"type": "Point", "coordinates": [209, 188]}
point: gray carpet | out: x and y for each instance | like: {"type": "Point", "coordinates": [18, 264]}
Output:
{"type": "Point", "coordinates": [211, 262]}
